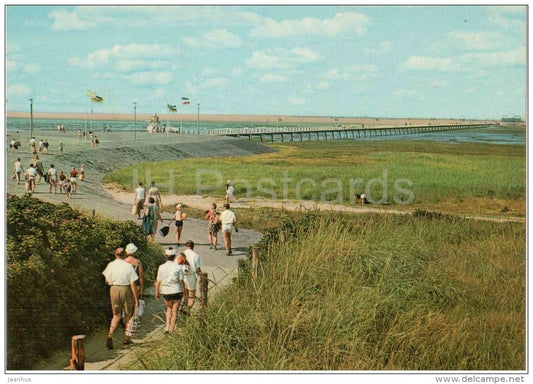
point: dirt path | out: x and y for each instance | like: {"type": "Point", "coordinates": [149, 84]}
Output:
{"type": "Point", "coordinates": [201, 202]}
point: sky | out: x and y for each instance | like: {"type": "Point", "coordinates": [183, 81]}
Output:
{"type": "Point", "coordinates": [301, 60]}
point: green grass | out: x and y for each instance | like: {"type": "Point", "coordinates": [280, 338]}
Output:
{"type": "Point", "coordinates": [394, 172]}
{"type": "Point", "coordinates": [367, 292]}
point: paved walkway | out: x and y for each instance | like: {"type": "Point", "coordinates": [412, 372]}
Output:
{"type": "Point", "coordinates": [115, 151]}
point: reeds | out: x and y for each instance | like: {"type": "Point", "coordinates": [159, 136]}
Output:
{"type": "Point", "coordinates": [369, 292]}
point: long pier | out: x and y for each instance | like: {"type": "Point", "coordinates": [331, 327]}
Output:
{"type": "Point", "coordinates": [339, 133]}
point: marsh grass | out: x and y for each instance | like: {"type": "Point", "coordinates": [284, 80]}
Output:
{"type": "Point", "coordinates": [368, 292]}
{"type": "Point", "coordinates": [473, 176]}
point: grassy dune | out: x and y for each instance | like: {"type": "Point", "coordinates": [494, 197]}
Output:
{"type": "Point", "coordinates": [462, 177]}
{"type": "Point", "coordinates": [365, 292]}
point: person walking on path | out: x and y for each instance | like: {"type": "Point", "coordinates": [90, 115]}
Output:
{"type": "Point", "coordinates": [179, 216]}
{"type": "Point", "coordinates": [131, 258]}
{"type": "Point", "coordinates": [62, 181]}
{"type": "Point", "coordinates": [230, 190]}
{"type": "Point", "coordinates": [195, 263]}
{"type": "Point", "coordinates": [18, 169]}
{"type": "Point", "coordinates": [148, 219]}
{"type": "Point", "coordinates": [154, 192]}
{"type": "Point", "coordinates": [213, 226]}
{"type": "Point", "coordinates": [31, 173]}
{"type": "Point", "coordinates": [52, 178]}
{"type": "Point", "coordinates": [228, 219]}
{"type": "Point", "coordinates": [40, 169]}
{"type": "Point", "coordinates": [138, 200]}
{"type": "Point", "coordinates": [153, 215]}
{"type": "Point", "coordinates": [74, 179]}
{"type": "Point", "coordinates": [121, 276]}
{"type": "Point", "coordinates": [169, 283]}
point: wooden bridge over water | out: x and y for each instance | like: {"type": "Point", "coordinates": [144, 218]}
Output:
{"type": "Point", "coordinates": [339, 133]}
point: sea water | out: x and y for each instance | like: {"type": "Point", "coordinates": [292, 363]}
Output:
{"type": "Point", "coordinates": [491, 135]}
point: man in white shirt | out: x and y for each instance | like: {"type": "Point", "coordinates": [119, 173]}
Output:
{"type": "Point", "coordinates": [18, 169]}
{"type": "Point", "coordinates": [138, 201]}
{"type": "Point", "coordinates": [154, 192]}
{"type": "Point", "coordinates": [228, 220]}
{"type": "Point", "coordinates": [31, 173]}
{"type": "Point", "coordinates": [191, 277]}
{"type": "Point", "coordinates": [121, 276]}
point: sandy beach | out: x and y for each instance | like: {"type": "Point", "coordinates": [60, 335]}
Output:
{"type": "Point", "coordinates": [367, 121]}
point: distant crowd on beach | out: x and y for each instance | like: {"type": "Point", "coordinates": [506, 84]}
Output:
{"type": "Point", "coordinates": [35, 173]}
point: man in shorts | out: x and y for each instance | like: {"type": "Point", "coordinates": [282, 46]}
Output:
{"type": "Point", "coordinates": [138, 201]}
{"type": "Point", "coordinates": [228, 220]}
{"type": "Point", "coordinates": [121, 276]}
{"type": "Point", "coordinates": [191, 276]}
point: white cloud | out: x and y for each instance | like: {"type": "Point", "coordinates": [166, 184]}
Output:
{"type": "Point", "coordinates": [273, 78]}
{"type": "Point", "coordinates": [333, 74]}
{"type": "Point", "coordinates": [425, 63]}
{"type": "Point", "coordinates": [509, 18]}
{"type": "Point", "coordinates": [17, 90]}
{"type": "Point", "coordinates": [129, 58]}
{"type": "Point", "coordinates": [79, 18]}
{"type": "Point", "coordinates": [150, 78]}
{"type": "Point", "coordinates": [237, 71]}
{"type": "Point", "coordinates": [282, 58]}
{"type": "Point", "coordinates": [15, 66]}
{"type": "Point", "coordinates": [296, 101]}
{"type": "Point", "coordinates": [361, 72]}
{"type": "Point", "coordinates": [340, 24]}
{"type": "Point", "coordinates": [12, 66]}
{"type": "Point", "coordinates": [439, 83]}
{"type": "Point", "coordinates": [478, 41]}
{"type": "Point", "coordinates": [513, 57]}
{"type": "Point", "coordinates": [469, 62]}
{"type": "Point", "coordinates": [381, 49]}
{"type": "Point", "coordinates": [208, 72]}
{"type": "Point", "coordinates": [219, 38]}
{"type": "Point", "coordinates": [261, 60]}
{"type": "Point", "coordinates": [215, 82]}
{"type": "Point", "coordinates": [405, 93]}
{"type": "Point", "coordinates": [305, 54]}
{"type": "Point", "coordinates": [32, 69]}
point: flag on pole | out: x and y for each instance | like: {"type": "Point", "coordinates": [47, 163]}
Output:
{"type": "Point", "coordinates": [94, 97]}
{"type": "Point", "coordinates": [185, 100]}
{"type": "Point", "coordinates": [172, 108]}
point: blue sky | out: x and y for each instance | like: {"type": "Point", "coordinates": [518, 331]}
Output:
{"type": "Point", "coordinates": [382, 61]}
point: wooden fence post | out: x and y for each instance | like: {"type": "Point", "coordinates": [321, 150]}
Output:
{"type": "Point", "coordinates": [203, 290]}
{"type": "Point", "coordinates": [255, 261]}
{"type": "Point", "coordinates": [77, 362]}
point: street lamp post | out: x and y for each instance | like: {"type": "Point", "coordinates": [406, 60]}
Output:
{"type": "Point", "coordinates": [198, 119]}
{"type": "Point", "coordinates": [135, 120]}
{"type": "Point", "coordinates": [31, 118]}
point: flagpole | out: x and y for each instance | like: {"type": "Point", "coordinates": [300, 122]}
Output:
{"type": "Point", "coordinates": [198, 119]}
{"type": "Point", "coordinates": [135, 120]}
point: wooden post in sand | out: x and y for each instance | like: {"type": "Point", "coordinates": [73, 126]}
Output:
{"type": "Point", "coordinates": [77, 362]}
{"type": "Point", "coordinates": [255, 261]}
